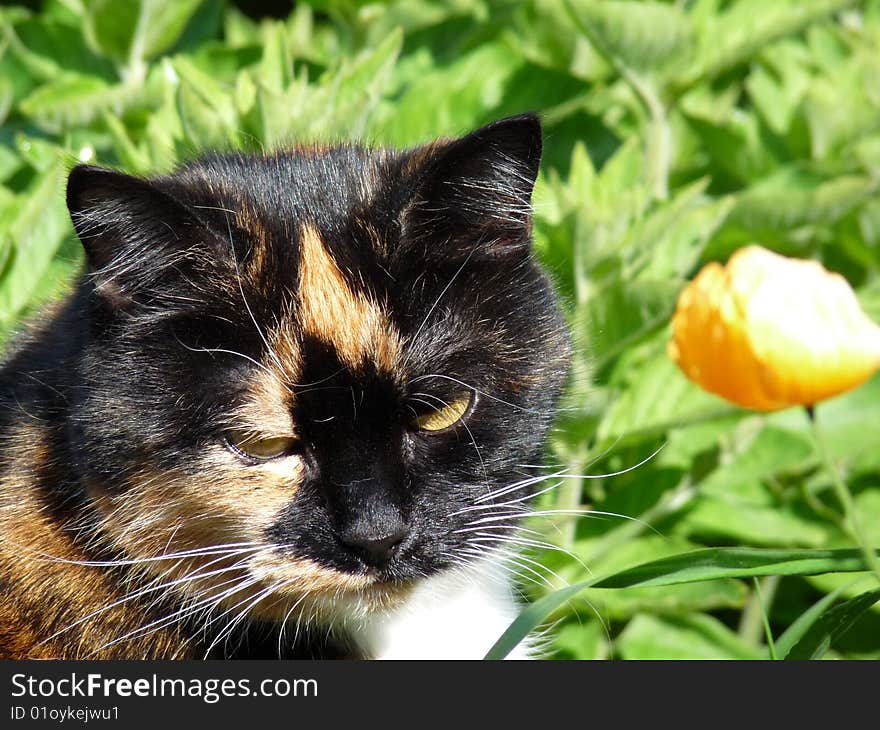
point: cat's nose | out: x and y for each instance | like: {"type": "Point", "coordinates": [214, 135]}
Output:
{"type": "Point", "coordinates": [376, 545]}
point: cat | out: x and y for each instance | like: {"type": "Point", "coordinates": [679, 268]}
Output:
{"type": "Point", "coordinates": [286, 410]}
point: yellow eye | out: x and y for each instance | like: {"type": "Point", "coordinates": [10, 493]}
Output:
{"type": "Point", "coordinates": [448, 412]}
{"type": "Point", "coordinates": [260, 449]}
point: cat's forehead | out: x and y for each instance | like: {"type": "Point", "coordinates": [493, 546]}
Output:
{"type": "Point", "coordinates": [350, 321]}
{"type": "Point", "coordinates": [309, 228]}
{"type": "Point", "coordinates": [325, 333]}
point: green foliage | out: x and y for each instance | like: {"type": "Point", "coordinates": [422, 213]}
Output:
{"type": "Point", "coordinates": [676, 132]}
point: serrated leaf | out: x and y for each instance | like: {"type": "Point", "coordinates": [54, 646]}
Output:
{"type": "Point", "coordinates": [580, 641]}
{"type": "Point", "coordinates": [276, 66]}
{"type": "Point", "coordinates": [621, 312]}
{"type": "Point", "coordinates": [643, 35]}
{"type": "Point", "coordinates": [130, 31]}
{"type": "Point", "coordinates": [792, 198]}
{"type": "Point", "coordinates": [731, 519]}
{"type": "Point", "coordinates": [36, 228]}
{"type": "Point", "coordinates": [770, 451]}
{"type": "Point", "coordinates": [341, 103]}
{"type": "Point", "coordinates": [841, 107]}
{"type": "Point", "coordinates": [207, 112]}
{"type": "Point", "coordinates": [777, 88]}
{"type": "Point", "coordinates": [73, 100]}
{"type": "Point", "coordinates": [732, 37]}
{"type": "Point", "coordinates": [622, 603]}
{"type": "Point", "coordinates": [129, 154]}
{"type": "Point", "coordinates": [51, 48]}
{"type": "Point", "coordinates": [38, 153]}
{"type": "Point", "coordinates": [460, 96]}
{"type": "Point", "coordinates": [756, 156]}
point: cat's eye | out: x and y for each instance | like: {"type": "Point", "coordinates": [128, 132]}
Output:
{"type": "Point", "coordinates": [258, 448]}
{"type": "Point", "coordinates": [443, 413]}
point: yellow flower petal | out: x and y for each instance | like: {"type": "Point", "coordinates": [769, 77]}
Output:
{"type": "Point", "coordinates": [768, 332]}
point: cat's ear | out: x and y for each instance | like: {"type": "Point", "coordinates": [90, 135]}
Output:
{"type": "Point", "coordinates": [133, 233]}
{"type": "Point", "coordinates": [475, 192]}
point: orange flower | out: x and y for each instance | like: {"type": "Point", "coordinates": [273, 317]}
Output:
{"type": "Point", "coordinates": [768, 332]}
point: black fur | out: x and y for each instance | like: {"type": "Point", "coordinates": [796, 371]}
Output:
{"type": "Point", "coordinates": [127, 381]}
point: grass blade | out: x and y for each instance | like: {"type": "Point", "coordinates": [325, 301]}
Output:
{"type": "Point", "coordinates": [735, 563]}
{"type": "Point", "coordinates": [833, 623]}
{"type": "Point", "coordinates": [697, 565]}
{"type": "Point", "coordinates": [794, 633]}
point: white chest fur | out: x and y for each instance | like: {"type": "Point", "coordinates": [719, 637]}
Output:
{"type": "Point", "coordinates": [455, 615]}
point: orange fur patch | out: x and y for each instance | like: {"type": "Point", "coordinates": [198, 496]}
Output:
{"type": "Point", "coordinates": [355, 325]}
{"type": "Point", "coordinates": [48, 582]}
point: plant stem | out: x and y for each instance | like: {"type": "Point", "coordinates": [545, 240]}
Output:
{"type": "Point", "coordinates": [658, 141]}
{"type": "Point", "coordinates": [570, 496]}
{"type": "Point", "coordinates": [755, 615]}
{"type": "Point", "coordinates": [844, 496]}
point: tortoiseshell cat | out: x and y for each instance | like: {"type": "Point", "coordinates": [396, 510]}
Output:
{"type": "Point", "coordinates": [277, 410]}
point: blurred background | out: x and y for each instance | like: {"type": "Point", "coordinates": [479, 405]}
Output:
{"type": "Point", "coordinates": [676, 132]}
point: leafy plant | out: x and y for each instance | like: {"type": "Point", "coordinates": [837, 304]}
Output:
{"type": "Point", "coordinates": [676, 132]}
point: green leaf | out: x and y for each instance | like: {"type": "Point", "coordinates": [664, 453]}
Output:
{"type": "Point", "coordinates": [341, 103]}
{"type": "Point", "coordinates": [623, 603]}
{"type": "Point", "coordinates": [622, 312]}
{"type": "Point", "coordinates": [689, 636]}
{"type": "Point", "coordinates": [36, 225]}
{"type": "Point", "coordinates": [37, 152]}
{"type": "Point", "coordinates": [714, 563]}
{"type": "Point", "coordinates": [732, 37]}
{"type": "Point", "coordinates": [10, 163]}
{"type": "Point", "coordinates": [708, 564]}
{"type": "Point", "coordinates": [794, 633]}
{"type": "Point", "coordinates": [129, 154]}
{"type": "Point", "coordinates": [580, 641]}
{"type": "Point", "coordinates": [460, 96]}
{"type": "Point", "coordinates": [643, 35]}
{"type": "Point", "coordinates": [842, 106]}
{"type": "Point", "coordinates": [731, 518]}
{"type": "Point", "coordinates": [654, 398]}
{"type": "Point", "coordinates": [734, 502]}
{"type": "Point", "coordinates": [832, 624]}
{"type": "Point", "coordinates": [207, 111]}
{"type": "Point", "coordinates": [74, 100]}
{"type": "Point", "coordinates": [130, 31]}
{"type": "Point", "coordinates": [756, 157]}
{"type": "Point", "coordinates": [50, 48]}
{"type": "Point", "coordinates": [795, 198]}
{"type": "Point", "coordinates": [276, 67]}
{"type": "Point", "coordinates": [778, 86]}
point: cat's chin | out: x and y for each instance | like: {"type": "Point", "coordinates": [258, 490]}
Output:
{"type": "Point", "coordinates": [302, 587]}
{"type": "Point", "coordinates": [328, 606]}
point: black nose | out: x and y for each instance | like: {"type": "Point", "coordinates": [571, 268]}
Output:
{"type": "Point", "coordinates": [375, 544]}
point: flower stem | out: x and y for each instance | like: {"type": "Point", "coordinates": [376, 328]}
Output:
{"type": "Point", "coordinates": [844, 496]}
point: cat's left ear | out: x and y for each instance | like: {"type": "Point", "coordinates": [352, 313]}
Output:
{"type": "Point", "coordinates": [475, 192]}
{"type": "Point", "coordinates": [139, 241]}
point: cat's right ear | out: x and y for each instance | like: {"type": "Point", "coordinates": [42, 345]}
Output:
{"type": "Point", "coordinates": [474, 193]}
{"type": "Point", "coordinates": [132, 232]}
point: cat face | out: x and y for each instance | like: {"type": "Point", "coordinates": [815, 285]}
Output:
{"type": "Point", "coordinates": [330, 359]}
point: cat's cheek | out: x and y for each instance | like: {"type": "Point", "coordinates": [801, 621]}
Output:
{"type": "Point", "coordinates": [180, 522]}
